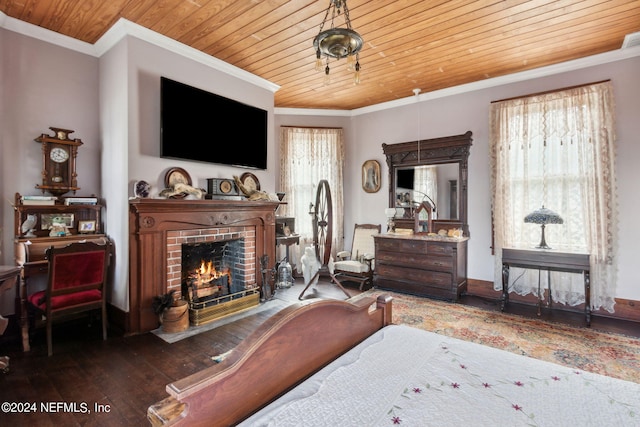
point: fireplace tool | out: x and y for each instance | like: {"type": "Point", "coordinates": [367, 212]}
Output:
{"type": "Point", "coordinates": [268, 275]}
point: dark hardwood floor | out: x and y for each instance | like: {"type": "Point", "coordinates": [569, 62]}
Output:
{"type": "Point", "coordinates": [124, 375]}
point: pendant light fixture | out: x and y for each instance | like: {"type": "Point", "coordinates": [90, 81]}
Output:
{"type": "Point", "coordinates": [338, 42]}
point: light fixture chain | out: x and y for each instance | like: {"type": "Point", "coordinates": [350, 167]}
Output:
{"type": "Point", "coordinates": [338, 42]}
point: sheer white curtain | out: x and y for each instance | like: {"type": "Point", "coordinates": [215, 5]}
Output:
{"type": "Point", "coordinates": [557, 150]}
{"type": "Point", "coordinates": [309, 155]}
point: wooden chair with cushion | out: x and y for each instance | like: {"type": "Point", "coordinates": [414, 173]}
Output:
{"type": "Point", "coordinates": [357, 265]}
{"type": "Point", "coordinates": [76, 283]}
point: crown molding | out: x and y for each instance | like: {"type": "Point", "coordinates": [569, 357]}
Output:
{"type": "Point", "coordinates": [124, 28]}
{"type": "Point", "coordinates": [577, 64]}
{"type": "Point", "coordinates": [30, 30]}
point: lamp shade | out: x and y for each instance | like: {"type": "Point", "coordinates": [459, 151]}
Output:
{"type": "Point", "coordinates": [543, 216]}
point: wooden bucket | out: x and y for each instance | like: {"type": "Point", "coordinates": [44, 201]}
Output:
{"type": "Point", "coordinates": [176, 317]}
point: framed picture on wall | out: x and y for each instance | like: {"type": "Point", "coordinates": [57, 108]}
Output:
{"type": "Point", "coordinates": [371, 176]}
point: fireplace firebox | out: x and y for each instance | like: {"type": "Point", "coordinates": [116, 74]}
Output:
{"type": "Point", "coordinates": [213, 280]}
{"type": "Point", "coordinates": [212, 269]}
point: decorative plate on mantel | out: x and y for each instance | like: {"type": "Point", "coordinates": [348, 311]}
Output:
{"type": "Point", "coordinates": [250, 181]}
{"type": "Point", "coordinates": [175, 176]}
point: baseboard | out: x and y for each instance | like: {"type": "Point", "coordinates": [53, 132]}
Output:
{"type": "Point", "coordinates": [118, 319]}
{"type": "Point", "coordinates": [624, 309]}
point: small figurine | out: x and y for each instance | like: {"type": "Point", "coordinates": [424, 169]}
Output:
{"type": "Point", "coordinates": [28, 226]}
{"type": "Point", "coordinates": [58, 229]}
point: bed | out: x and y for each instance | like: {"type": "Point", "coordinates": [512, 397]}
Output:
{"type": "Point", "coordinates": [397, 375]}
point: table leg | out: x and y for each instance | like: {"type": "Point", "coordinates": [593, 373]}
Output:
{"type": "Point", "coordinates": [540, 296]}
{"type": "Point", "coordinates": [24, 318]}
{"type": "Point", "coordinates": [9, 277]}
{"type": "Point", "coordinates": [587, 297]}
{"type": "Point", "coordinates": [550, 300]}
{"type": "Point", "coordinates": [505, 286]}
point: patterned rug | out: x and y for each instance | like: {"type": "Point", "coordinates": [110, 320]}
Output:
{"type": "Point", "coordinates": [608, 354]}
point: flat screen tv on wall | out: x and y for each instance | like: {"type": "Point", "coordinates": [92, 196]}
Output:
{"type": "Point", "coordinates": [202, 126]}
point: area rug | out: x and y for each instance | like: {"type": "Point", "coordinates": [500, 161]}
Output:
{"type": "Point", "coordinates": [603, 353]}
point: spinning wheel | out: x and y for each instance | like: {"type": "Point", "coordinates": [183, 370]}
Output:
{"type": "Point", "coordinates": [323, 223]}
{"type": "Point", "coordinates": [323, 233]}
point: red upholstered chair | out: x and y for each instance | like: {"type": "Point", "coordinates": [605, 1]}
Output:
{"type": "Point", "coordinates": [77, 277]}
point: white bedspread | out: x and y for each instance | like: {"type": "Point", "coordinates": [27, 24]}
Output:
{"type": "Point", "coordinates": [410, 377]}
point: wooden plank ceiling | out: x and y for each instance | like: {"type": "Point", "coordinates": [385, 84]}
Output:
{"type": "Point", "coordinates": [409, 44]}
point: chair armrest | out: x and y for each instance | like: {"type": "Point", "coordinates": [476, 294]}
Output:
{"type": "Point", "coordinates": [368, 257]}
{"type": "Point", "coordinates": [343, 254]}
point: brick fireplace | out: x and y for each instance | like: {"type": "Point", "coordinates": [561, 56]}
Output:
{"type": "Point", "coordinates": [159, 228]}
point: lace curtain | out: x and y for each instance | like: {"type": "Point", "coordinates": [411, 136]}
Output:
{"type": "Point", "coordinates": [557, 150]}
{"type": "Point", "coordinates": [309, 155]}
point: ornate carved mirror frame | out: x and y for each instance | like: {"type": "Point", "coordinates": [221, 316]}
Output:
{"type": "Point", "coordinates": [436, 151]}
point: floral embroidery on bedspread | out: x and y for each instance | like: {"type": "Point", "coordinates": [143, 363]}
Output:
{"type": "Point", "coordinates": [505, 392]}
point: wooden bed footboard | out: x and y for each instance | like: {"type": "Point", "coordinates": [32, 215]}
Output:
{"type": "Point", "coordinates": [289, 347]}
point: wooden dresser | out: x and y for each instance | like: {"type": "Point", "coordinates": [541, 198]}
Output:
{"type": "Point", "coordinates": [421, 265]}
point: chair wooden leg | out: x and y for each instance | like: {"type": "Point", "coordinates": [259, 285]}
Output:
{"type": "Point", "coordinates": [49, 338]}
{"type": "Point", "coordinates": [104, 323]}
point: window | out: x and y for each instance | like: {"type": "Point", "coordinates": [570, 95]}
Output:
{"type": "Point", "coordinates": [308, 155]}
{"type": "Point", "coordinates": [557, 150]}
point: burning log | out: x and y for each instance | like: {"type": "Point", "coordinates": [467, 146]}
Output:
{"type": "Point", "coordinates": [206, 281]}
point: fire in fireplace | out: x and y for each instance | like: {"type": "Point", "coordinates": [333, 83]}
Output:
{"type": "Point", "coordinates": [213, 279]}
{"type": "Point", "coordinates": [207, 282]}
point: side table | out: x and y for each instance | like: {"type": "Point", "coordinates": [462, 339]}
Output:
{"type": "Point", "coordinates": [548, 260]}
{"type": "Point", "coordinates": [7, 273]}
{"type": "Point", "coordinates": [288, 241]}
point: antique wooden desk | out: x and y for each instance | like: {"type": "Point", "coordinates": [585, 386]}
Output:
{"type": "Point", "coordinates": [30, 255]}
{"type": "Point", "coordinates": [548, 260]}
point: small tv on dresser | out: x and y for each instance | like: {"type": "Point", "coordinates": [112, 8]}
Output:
{"type": "Point", "coordinates": [197, 125]}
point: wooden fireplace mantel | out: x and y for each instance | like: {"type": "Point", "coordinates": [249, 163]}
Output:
{"type": "Point", "coordinates": [151, 219]}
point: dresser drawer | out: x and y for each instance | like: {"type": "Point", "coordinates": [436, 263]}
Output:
{"type": "Point", "coordinates": [416, 260]}
{"type": "Point", "coordinates": [431, 278]}
{"type": "Point", "coordinates": [415, 246]}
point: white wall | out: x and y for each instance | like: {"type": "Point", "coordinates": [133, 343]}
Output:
{"type": "Point", "coordinates": [43, 85]}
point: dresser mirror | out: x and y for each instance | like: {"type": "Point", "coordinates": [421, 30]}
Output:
{"type": "Point", "coordinates": [432, 171]}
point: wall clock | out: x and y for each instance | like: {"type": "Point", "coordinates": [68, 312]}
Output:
{"type": "Point", "coordinates": [59, 154]}
{"type": "Point", "coordinates": [221, 187]}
